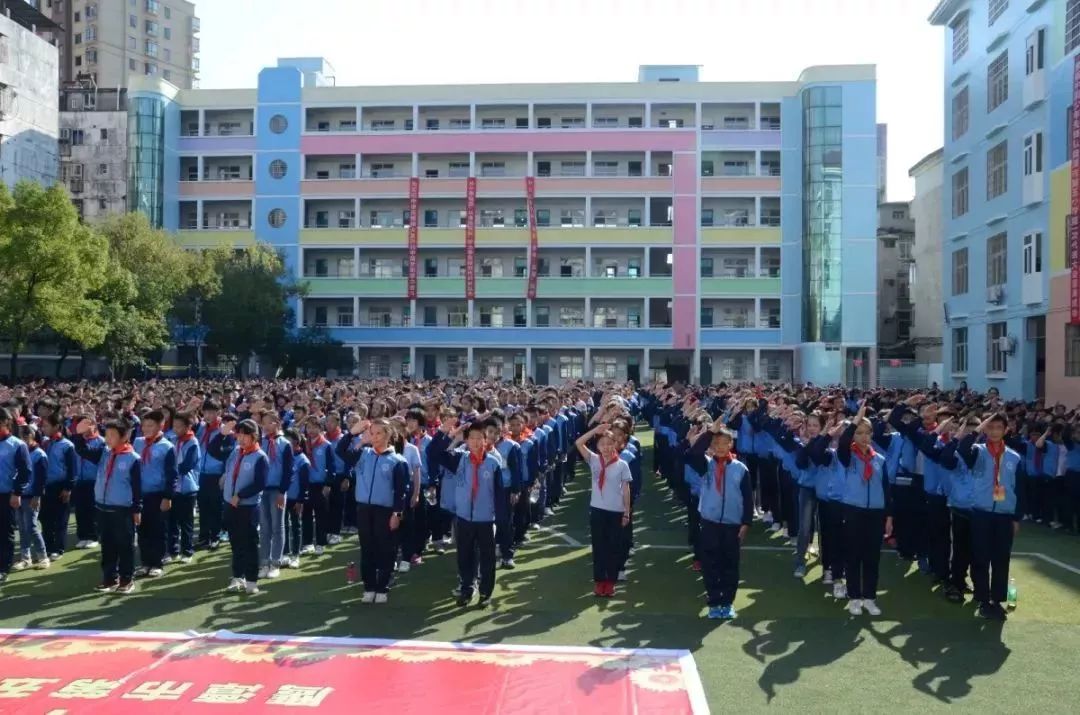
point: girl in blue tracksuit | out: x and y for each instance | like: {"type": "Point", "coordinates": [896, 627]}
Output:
{"type": "Point", "coordinates": [382, 482]}
{"type": "Point", "coordinates": [795, 456]}
{"type": "Point", "coordinates": [59, 484]}
{"type": "Point", "coordinates": [866, 504]}
{"type": "Point", "coordinates": [243, 482]}
{"type": "Point", "coordinates": [118, 496]}
{"type": "Point", "coordinates": [31, 544]}
{"type": "Point", "coordinates": [160, 483]}
{"type": "Point", "coordinates": [295, 498]}
{"type": "Point", "coordinates": [181, 527]}
{"type": "Point", "coordinates": [320, 454]}
{"type": "Point", "coordinates": [997, 505]}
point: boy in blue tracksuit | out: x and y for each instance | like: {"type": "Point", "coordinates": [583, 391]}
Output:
{"type": "Point", "coordinates": [210, 473]}
{"type": "Point", "coordinates": [510, 453]}
{"type": "Point", "coordinates": [419, 521]}
{"type": "Point", "coordinates": [320, 456]}
{"type": "Point", "coordinates": [181, 528]}
{"type": "Point", "coordinates": [530, 469]}
{"type": "Point", "coordinates": [31, 544]}
{"type": "Point", "coordinates": [246, 469]}
{"type": "Point", "coordinates": [727, 508]}
{"type": "Point", "coordinates": [997, 505]}
{"type": "Point", "coordinates": [86, 519]}
{"type": "Point", "coordinates": [160, 483]}
{"type": "Point", "coordinates": [296, 498]}
{"type": "Point", "coordinates": [958, 485]}
{"type": "Point", "coordinates": [336, 480]}
{"type": "Point", "coordinates": [382, 482]}
{"type": "Point", "coordinates": [477, 473]}
{"type": "Point", "coordinates": [118, 499]}
{"type": "Point", "coordinates": [59, 484]}
{"type": "Point", "coordinates": [272, 508]}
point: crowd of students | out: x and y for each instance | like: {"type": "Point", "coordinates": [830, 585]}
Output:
{"type": "Point", "coordinates": [281, 470]}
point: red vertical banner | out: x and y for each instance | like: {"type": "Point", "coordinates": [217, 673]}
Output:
{"type": "Point", "coordinates": [534, 243]}
{"type": "Point", "coordinates": [470, 238]}
{"type": "Point", "coordinates": [1074, 224]}
{"type": "Point", "coordinates": [414, 232]}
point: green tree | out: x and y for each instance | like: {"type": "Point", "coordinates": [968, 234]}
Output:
{"type": "Point", "coordinates": [50, 267]}
{"type": "Point", "coordinates": [251, 314]}
{"type": "Point", "coordinates": [314, 351]}
{"type": "Point", "coordinates": [148, 272]}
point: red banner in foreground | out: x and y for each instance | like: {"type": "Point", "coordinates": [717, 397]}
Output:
{"type": "Point", "coordinates": [530, 209]}
{"type": "Point", "coordinates": [414, 232]}
{"type": "Point", "coordinates": [470, 238]}
{"type": "Point", "coordinates": [164, 673]}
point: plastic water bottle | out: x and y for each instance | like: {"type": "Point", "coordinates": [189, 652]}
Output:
{"type": "Point", "coordinates": [350, 573]}
{"type": "Point", "coordinates": [1011, 594]}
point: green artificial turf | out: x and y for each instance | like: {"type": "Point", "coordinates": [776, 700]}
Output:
{"type": "Point", "coordinates": [792, 645]}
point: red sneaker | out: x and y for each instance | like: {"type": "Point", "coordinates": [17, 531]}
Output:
{"type": "Point", "coordinates": [598, 589]}
{"type": "Point", "coordinates": [609, 589]}
{"type": "Point", "coordinates": [696, 566]}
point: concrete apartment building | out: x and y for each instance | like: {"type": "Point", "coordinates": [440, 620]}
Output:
{"type": "Point", "coordinates": [665, 228]}
{"type": "Point", "coordinates": [896, 239]}
{"type": "Point", "coordinates": [28, 83]}
{"type": "Point", "coordinates": [93, 149]}
{"type": "Point", "coordinates": [925, 279]}
{"type": "Point", "coordinates": [996, 225]}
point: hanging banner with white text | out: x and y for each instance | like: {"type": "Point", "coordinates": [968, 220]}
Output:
{"type": "Point", "coordinates": [414, 232]}
{"type": "Point", "coordinates": [470, 238]}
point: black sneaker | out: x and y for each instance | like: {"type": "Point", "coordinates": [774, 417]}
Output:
{"type": "Point", "coordinates": [106, 586]}
{"type": "Point", "coordinates": [127, 585]}
{"type": "Point", "coordinates": [1000, 610]}
{"type": "Point", "coordinates": [484, 602]}
{"type": "Point", "coordinates": [954, 595]}
{"type": "Point", "coordinates": [464, 599]}
{"type": "Point", "coordinates": [991, 612]}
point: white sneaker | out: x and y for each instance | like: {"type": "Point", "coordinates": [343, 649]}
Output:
{"type": "Point", "coordinates": [42, 564]}
{"type": "Point", "coordinates": [767, 517]}
{"type": "Point", "coordinates": [854, 607]}
{"type": "Point", "coordinates": [448, 542]}
{"type": "Point", "coordinates": [839, 590]}
{"type": "Point", "coordinates": [309, 549]}
{"type": "Point", "coordinates": [166, 559]}
{"type": "Point", "coordinates": [235, 584]}
{"type": "Point", "coordinates": [92, 544]}
{"type": "Point", "coordinates": [381, 598]}
{"type": "Point", "coordinates": [368, 597]}
{"type": "Point", "coordinates": [155, 573]}
{"type": "Point", "coordinates": [827, 579]}
{"type": "Point", "coordinates": [319, 551]}
{"type": "Point", "coordinates": [402, 567]}
{"type": "Point", "coordinates": [291, 562]}
{"type": "Point", "coordinates": [82, 544]}
{"type": "Point", "coordinates": [775, 526]}
{"type": "Point", "coordinates": [21, 565]}
{"type": "Point", "coordinates": [333, 539]}
{"type": "Point", "coordinates": [252, 588]}
{"type": "Point", "coordinates": [812, 550]}
{"type": "Point", "coordinates": [548, 511]}
{"type": "Point", "coordinates": [273, 572]}
{"type": "Point", "coordinates": [871, 607]}
{"type": "Point", "coordinates": [264, 571]}
{"type": "Point", "coordinates": [185, 559]}
{"type": "Point", "coordinates": [621, 576]}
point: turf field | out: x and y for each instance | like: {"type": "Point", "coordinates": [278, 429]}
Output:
{"type": "Point", "coordinates": [791, 646]}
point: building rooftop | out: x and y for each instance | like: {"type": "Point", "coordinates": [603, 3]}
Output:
{"type": "Point", "coordinates": [26, 14]}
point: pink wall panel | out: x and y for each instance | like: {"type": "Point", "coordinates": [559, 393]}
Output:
{"type": "Point", "coordinates": [684, 322]}
{"type": "Point", "coordinates": [216, 189]}
{"type": "Point", "coordinates": [685, 220]}
{"type": "Point", "coordinates": [519, 141]}
{"type": "Point", "coordinates": [749, 184]}
{"type": "Point", "coordinates": [684, 269]}
{"type": "Point", "coordinates": [686, 174]}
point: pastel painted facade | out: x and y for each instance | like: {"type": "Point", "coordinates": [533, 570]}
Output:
{"type": "Point", "coordinates": [996, 208]}
{"type": "Point", "coordinates": [675, 219]}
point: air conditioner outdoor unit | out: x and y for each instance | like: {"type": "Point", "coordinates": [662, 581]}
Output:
{"type": "Point", "coordinates": [1006, 344]}
{"type": "Point", "coordinates": [995, 294]}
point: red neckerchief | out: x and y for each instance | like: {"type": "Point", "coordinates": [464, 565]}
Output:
{"type": "Point", "coordinates": [208, 428]}
{"type": "Point", "coordinates": [148, 445]}
{"type": "Point", "coordinates": [476, 461]}
{"type": "Point", "coordinates": [333, 434]}
{"type": "Point", "coordinates": [603, 471]}
{"type": "Point", "coordinates": [867, 458]}
{"type": "Point", "coordinates": [996, 450]}
{"type": "Point", "coordinates": [123, 449]}
{"type": "Point", "coordinates": [721, 470]}
{"type": "Point", "coordinates": [271, 446]}
{"type": "Point", "coordinates": [180, 439]}
{"type": "Point", "coordinates": [4, 434]}
{"type": "Point", "coordinates": [315, 444]}
{"type": "Point", "coordinates": [433, 428]}
{"type": "Point", "coordinates": [244, 451]}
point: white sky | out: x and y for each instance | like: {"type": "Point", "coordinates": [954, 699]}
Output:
{"type": "Point", "coordinates": [479, 41]}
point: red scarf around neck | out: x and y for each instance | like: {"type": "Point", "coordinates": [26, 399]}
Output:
{"type": "Point", "coordinates": [867, 458]}
{"type": "Point", "coordinates": [720, 467]}
{"type": "Point", "coordinates": [271, 446]}
{"type": "Point", "coordinates": [208, 429]}
{"type": "Point", "coordinates": [122, 449]}
{"type": "Point", "coordinates": [476, 460]}
{"type": "Point", "coordinates": [603, 471]}
{"type": "Point", "coordinates": [244, 451]}
{"type": "Point", "coordinates": [148, 446]}
{"type": "Point", "coordinates": [180, 440]}
{"type": "Point", "coordinates": [333, 434]}
{"type": "Point", "coordinates": [997, 451]}
{"type": "Point", "coordinates": [315, 444]}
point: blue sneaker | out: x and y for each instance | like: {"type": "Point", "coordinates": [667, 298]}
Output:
{"type": "Point", "coordinates": [716, 613]}
{"type": "Point", "coordinates": [727, 613]}
{"type": "Point", "coordinates": [924, 565]}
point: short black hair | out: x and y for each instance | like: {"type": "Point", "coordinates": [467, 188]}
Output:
{"type": "Point", "coordinates": [248, 427]}
{"type": "Point", "coordinates": [998, 417]}
{"type": "Point", "coordinates": [417, 414]}
{"type": "Point", "coordinates": [154, 416]}
{"type": "Point", "coordinates": [480, 427]}
{"type": "Point", "coordinates": [121, 426]}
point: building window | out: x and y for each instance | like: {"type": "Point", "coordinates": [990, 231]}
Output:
{"type": "Point", "coordinates": [132, 64]}
{"type": "Point", "coordinates": [167, 54]}
{"type": "Point", "coordinates": [133, 21]}
{"type": "Point", "coordinates": [1072, 351]}
{"type": "Point", "coordinates": [379, 365]}
{"type": "Point", "coordinates": [167, 33]}
{"type": "Point", "coordinates": [167, 74]}
{"type": "Point", "coordinates": [1032, 253]}
{"type": "Point", "coordinates": [278, 168]}
{"type": "Point", "coordinates": [960, 272]}
{"type": "Point", "coordinates": [571, 367]}
{"type": "Point", "coordinates": [1036, 51]}
{"type": "Point", "coordinates": [997, 81]}
{"type": "Point", "coordinates": [278, 124]}
{"type": "Point", "coordinates": [995, 357]}
{"type": "Point", "coordinates": [960, 193]}
{"type": "Point", "coordinates": [959, 350]}
{"type": "Point", "coordinates": [997, 170]}
{"type": "Point", "coordinates": [133, 43]}
{"type": "Point", "coordinates": [277, 218]}
{"type": "Point", "coordinates": [151, 28]}
{"type": "Point", "coordinates": [456, 366]}
{"type": "Point", "coordinates": [78, 38]}
{"type": "Point", "coordinates": [996, 260]}
{"type": "Point", "coordinates": [1033, 154]}
{"type": "Point", "coordinates": [605, 368]}
{"type": "Point", "coordinates": [959, 37]}
{"type": "Point", "coordinates": [168, 13]}
{"type": "Point", "coordinates": [91, 33]}
{"type": "Point", "coordinates": [1072, 25]}
{"type": "Point", "coordinates": [996, 8]}
{"type": "Point", "coordinates": [151, 48]}
{"type": "Point", "coordinates": [149, 69]}
{"type": "Point", "coordinates": [960, 113]}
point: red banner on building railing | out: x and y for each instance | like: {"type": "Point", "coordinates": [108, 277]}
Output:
{"type": "Point", "coordinates": [470, 238]}
{"type": "Point", "coordinates": [530, 209]}
{"type": "Point", "coordinates": [414, 232]}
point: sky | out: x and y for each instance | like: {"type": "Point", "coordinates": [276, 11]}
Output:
{"type": "Point", "coordinates": [388, 42]}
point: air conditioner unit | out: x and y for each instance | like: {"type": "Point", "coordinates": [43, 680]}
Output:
{"type": "Point", "coordinates": [995, 294]}
{"type": "Point", "coordinates": [1006, 344]}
